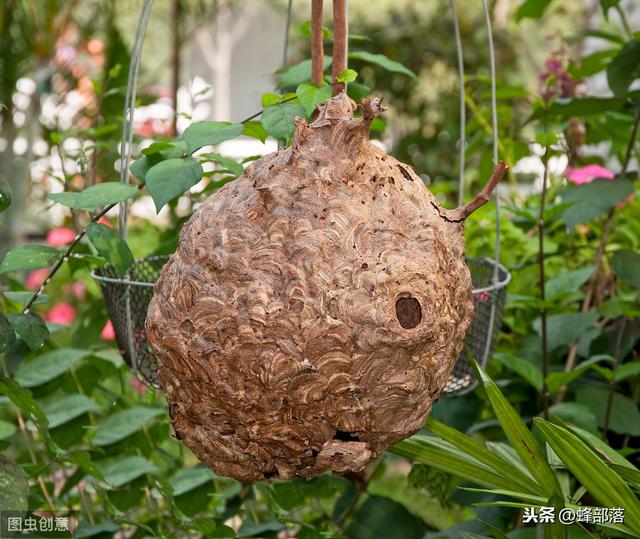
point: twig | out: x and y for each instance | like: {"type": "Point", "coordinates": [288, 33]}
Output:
{"type": "Point", "coordinates": [361, 485]}
{"type": "Point", "coordinates": [460, 214]}
{"type": "Point", "coordinates": [68, 252]}
{"type": "Point", "coordinates": [339, 44]}
{"type": "Point", "coordinates": [253, 116]}
{"type": "Point", "coordinates": [176, 14]}
{"type": "Point", "coordinates": [317, 49]}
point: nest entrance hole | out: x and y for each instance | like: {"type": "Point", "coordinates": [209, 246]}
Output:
{"type": "Point", "coordinates": [409, 312]}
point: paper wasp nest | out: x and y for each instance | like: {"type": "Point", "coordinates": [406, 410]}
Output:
{"type": "Point", "coordinates": [314, 308]}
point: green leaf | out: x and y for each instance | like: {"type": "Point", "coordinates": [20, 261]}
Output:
{"type": "Point", "coordinates": [310, 95]}
{"type": "Point", "coordinates": [476, 449]}
{"type": "Point", "coordinates": [187, 479]}
{"type": "Point", "coordinates": [446, 457]}
{"type": "Point", "coordinates": [576, 414]}
{"type": "Point", "coordinates": [111, 247]}
{"type": "Point", "coordinates": [124, 423]}
{"type": "Point", "coordinates": [82, 459]}
{"type": "Point", "coordinates": [208, 133]}
{"type": "Point", "coordinates": [255, 130]}
{"type": "Point", "coordinates": [235, 168]}
{"type": "Point", "coordinates": [68, 407]}
{"type": "Point", "coordinates": [6, 429]}
{"type": "Point", "coordinates": [279, 120]}
{"type": "Point", "coordinates": [565, 328]}
{"type": "Point", "coordinates": [593, 199]}
{"type": "Point", "coordinates": [7, 335]}
{"type": "Point", "coordinates": [628, 370]}
{"type": "Point", "coordinates": [532, 9]}
{"type": "Point", "coordinates": [305, 31]}
{"type": "Point", "coordinates": [600, 447]}
{"type": "Point", "coordinates": [122, 470]}
{"type": "Point", "coordinates": [29, 257]}
{"type": "Point", "coordinates": [625, 416]}
{"type": "Point", "coordinates": [294, 75]}
{"type": "Point", "coordinates": [30, 327]}
{"type": "Point", "coordinates": [382, 61]}
{"type": "Point", "coordinates": [49, 366]}
{"type": "Point", "coordinates": [169, 179]}
{"type": "Point", "coordinates": [23, 399]}
{"type": "Point", "coordinates": [527, 370]}
{"type": "Point", "coordinates": [96, 196]}
{"type": "Point", "coordinates": [347, 75]}
{"type": "Point", "coordinates": [624, 68]}
{"type": "Point", "coordinates": [568, 281]}
{"type": "Point", "coordinates": [626, 264]}
{"type": "Point", "coordinates": [23, 297]}
{"type": "Point", "coordinates": [606, 5]}
{"type": "Point", "coordinates": [6, 195]}
{"type": "Point", "coordinates": [14, 486]}
{"type": "Point", "coordinates": [603, 484]}
{"type": "Point", "coordinates": [581, 107]}
{"type": "Point", "coordinates": [519, 435]}
{"type": "Point", "coordinates": [161, 147]}
{"type": "Point", "coordinates": [558, 379]}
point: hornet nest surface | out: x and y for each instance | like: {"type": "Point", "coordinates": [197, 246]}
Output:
{"type": "Point", "coordinates": [314, 308]}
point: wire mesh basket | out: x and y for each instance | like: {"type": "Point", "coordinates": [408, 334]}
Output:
{"type": "Point", "coordinates": [489, 280]}
{"type": "Point", "coordinates": [128, 298]}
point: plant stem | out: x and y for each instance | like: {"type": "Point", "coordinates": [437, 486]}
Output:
{"type": "Point", "coordinates": [543, 310]}
{"type": "Point", "coordinates": [339, 43]}
{"type": "Point", "coordinates": [317, 50]}
{"type": "Point", "coordinates": [176, 15]}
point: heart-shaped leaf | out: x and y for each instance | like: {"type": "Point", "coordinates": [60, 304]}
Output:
{"type": "Point", "coordinates": [169, 179]}
{"type": "Point", "coordinates": [279, 120]}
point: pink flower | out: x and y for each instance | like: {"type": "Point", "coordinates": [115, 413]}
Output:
{"type": "Point", "coordinates": [482, 297]}
{"type": "Point", "coordinates": [79, 289]}
{"type": "Point", "coordinates": [60, 236]}
{"type": "Point", "coordinates": [104, 221]}
{"type": "Point", "coordinates": [108, 332]}
{"type": "Point", "coordinates": [36, 278]}
{"type": "Point", "coordinates": [63, 313]}
{"type": "Point", "coordinates": [138, 385]}
{"type": "Point", "coordinates": [587, 174]}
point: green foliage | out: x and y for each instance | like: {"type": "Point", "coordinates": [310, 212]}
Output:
{"type": "Point", "coordinates": [169, 179]}
{"type": "Point", "coordinates": [96, 196]}
{"type": "Point", "coordinates": [624, 68]}
{"type": "Point", "coordinates": [110, 246]}
{"type": "Point", "coordinates": [278, 120]}
{"type": "Point", "coordinates": [6, 195]}
{"type": "Point", "coordinates": [593, 199]}
{"type": "Point", "coordinates": [29, 257]}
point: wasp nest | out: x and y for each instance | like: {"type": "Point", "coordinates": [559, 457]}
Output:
{"type": "Point", "coordinates": [314, 308]}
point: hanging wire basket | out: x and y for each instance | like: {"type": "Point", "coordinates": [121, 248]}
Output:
{"type": "Point", "coordinates": [127, 300]}
{"type": "Point", "coordinates": [489, 280]}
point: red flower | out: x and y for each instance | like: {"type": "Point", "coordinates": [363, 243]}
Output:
{"type": "Point", "coordinates": [60, 236]}
{"type": "Point", "coordinates": [108, 333]}
{"type": "Point", "coordinates": [62, 313]}
{"type": "Point", "coordinates": [36, 278]}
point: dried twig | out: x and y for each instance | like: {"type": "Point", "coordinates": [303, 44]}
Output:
{"type": "Point", "coordinates": [339, 43]}
{"type": "Point", "coordinates": [460, 214]}
{"type": "Point", "coordinates": [317, 49]}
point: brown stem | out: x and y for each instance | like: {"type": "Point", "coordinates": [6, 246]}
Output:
{"type": "Point", "coordinates": [317, 50]}
{"type": "Point", "coordinates": [339, 43]}
{"type": "Point", "coordinates": [176, 14]}
{"type": "Point", "coordinates": [460, 214]}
